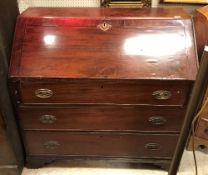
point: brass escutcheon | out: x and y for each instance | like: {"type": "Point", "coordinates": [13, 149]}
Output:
{"type": "Point", "coordinates": [162, 95]}
{"type": "Point", "coordinates": [43, 93]}
{"type": "Point", "coordinates": [104, 26]}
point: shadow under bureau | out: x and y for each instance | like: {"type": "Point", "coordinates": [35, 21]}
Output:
{"type": "Point", "coordinates": [99, 83]}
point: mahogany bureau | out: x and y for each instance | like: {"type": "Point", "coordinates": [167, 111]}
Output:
{"type": "Point", "coordinates": [93, 83]}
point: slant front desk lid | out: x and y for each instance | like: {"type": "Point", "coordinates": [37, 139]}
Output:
{"type": "Point", "coordinates": [104, 43]}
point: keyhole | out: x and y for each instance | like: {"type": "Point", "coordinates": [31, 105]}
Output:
{"type": "Point", "coordinates": [101, 86]}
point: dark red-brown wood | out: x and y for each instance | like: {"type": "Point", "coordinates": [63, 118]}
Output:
{"type": "Point", "coordinates": [105, 91]}
{"type": "Point", "coordinates": [172, 13]}
{"type": "Point", "coordinates": [102, 67]}
{"type": "Point", "coordinates": [100, 144]}
{"type": "Point", "coordinates": [135, 47]}
{"type": "Point", "coordinates": [105, 118]}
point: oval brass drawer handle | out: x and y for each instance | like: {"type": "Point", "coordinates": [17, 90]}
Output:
{"type": "Point", "coordinates": [51, 144]}
{"type": "Point", "coordinates": [162, 95]}
{"type": "Point", "coordinates": [47, 119]}
{"type": "Point", "coordinates": [152, 146]}
{"type": "Point", "coordinates": [157, 120]}
{"type": "Point", "coordinates": [43, 93]}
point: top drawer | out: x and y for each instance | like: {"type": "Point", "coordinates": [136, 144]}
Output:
{"type": "Point", "coordinates": [82, 91]}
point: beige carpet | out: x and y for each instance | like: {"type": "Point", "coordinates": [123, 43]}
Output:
{"type": "Point", "coordinates": [64, 168]}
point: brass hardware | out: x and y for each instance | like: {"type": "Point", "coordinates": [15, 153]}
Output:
{"type": "Point", "coordinates": [104, 26]}
{"type": "Point", "coordinates": [47, 119]}
{"type": "Point", "coordinates": [51, 144]}
{"type": "Point", "coordinates": [152, 146]}
{"type": "Point", "coordinates": [157, 120]}
{"type": "Point", "coordinates": [43, 93]}
{"type": "Point", "coordinates": [126, 3]}
{"type": "Point", "coordinates": [162, 95]}
{"type": "Point", "coordinates": [146, 3]}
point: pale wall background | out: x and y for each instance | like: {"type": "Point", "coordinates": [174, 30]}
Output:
{"type": "Point", "coordinates": [23, 4]}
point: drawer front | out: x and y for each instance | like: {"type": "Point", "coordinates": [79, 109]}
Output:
{"type": "Point", "coordinates": [106, 91]}
{"type": "Point", "coordinates": [96, 144]}
{"type": "Point", "coordinates": [202, 128]}
{"type": "Point", "coordinates": [88, 117]}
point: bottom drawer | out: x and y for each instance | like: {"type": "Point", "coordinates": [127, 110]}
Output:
{"type": "Point", "coordinates": [100, 144]}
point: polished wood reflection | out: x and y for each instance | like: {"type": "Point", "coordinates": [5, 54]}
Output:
{"type": "Point", "coordinates": [135, 48]}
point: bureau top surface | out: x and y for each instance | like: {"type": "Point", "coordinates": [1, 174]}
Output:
{"type": "Point", "coordinates": [43, 12]}
{"type": "Point", "coordinates": [104, 43]}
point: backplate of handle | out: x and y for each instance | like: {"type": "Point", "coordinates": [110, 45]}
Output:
{"type": "Point", "coordinates": [47, 119]}
{"type": "Point", "coordinates": [152, 146]}
{"type": "Point", "coordinates": [52, 144]}
{"type": "Point", "coordinates": [157, 120]}
{"type": "Point", "coordinates": [43, 93]}
{"type": "Point", "coordinates": [162, 94]}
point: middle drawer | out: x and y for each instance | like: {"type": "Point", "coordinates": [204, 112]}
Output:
{"type": "Point", "coordinates": [101, 117]}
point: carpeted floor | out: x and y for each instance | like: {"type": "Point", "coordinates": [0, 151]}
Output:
{"type": "Point", "coordinates": [98, 168]}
